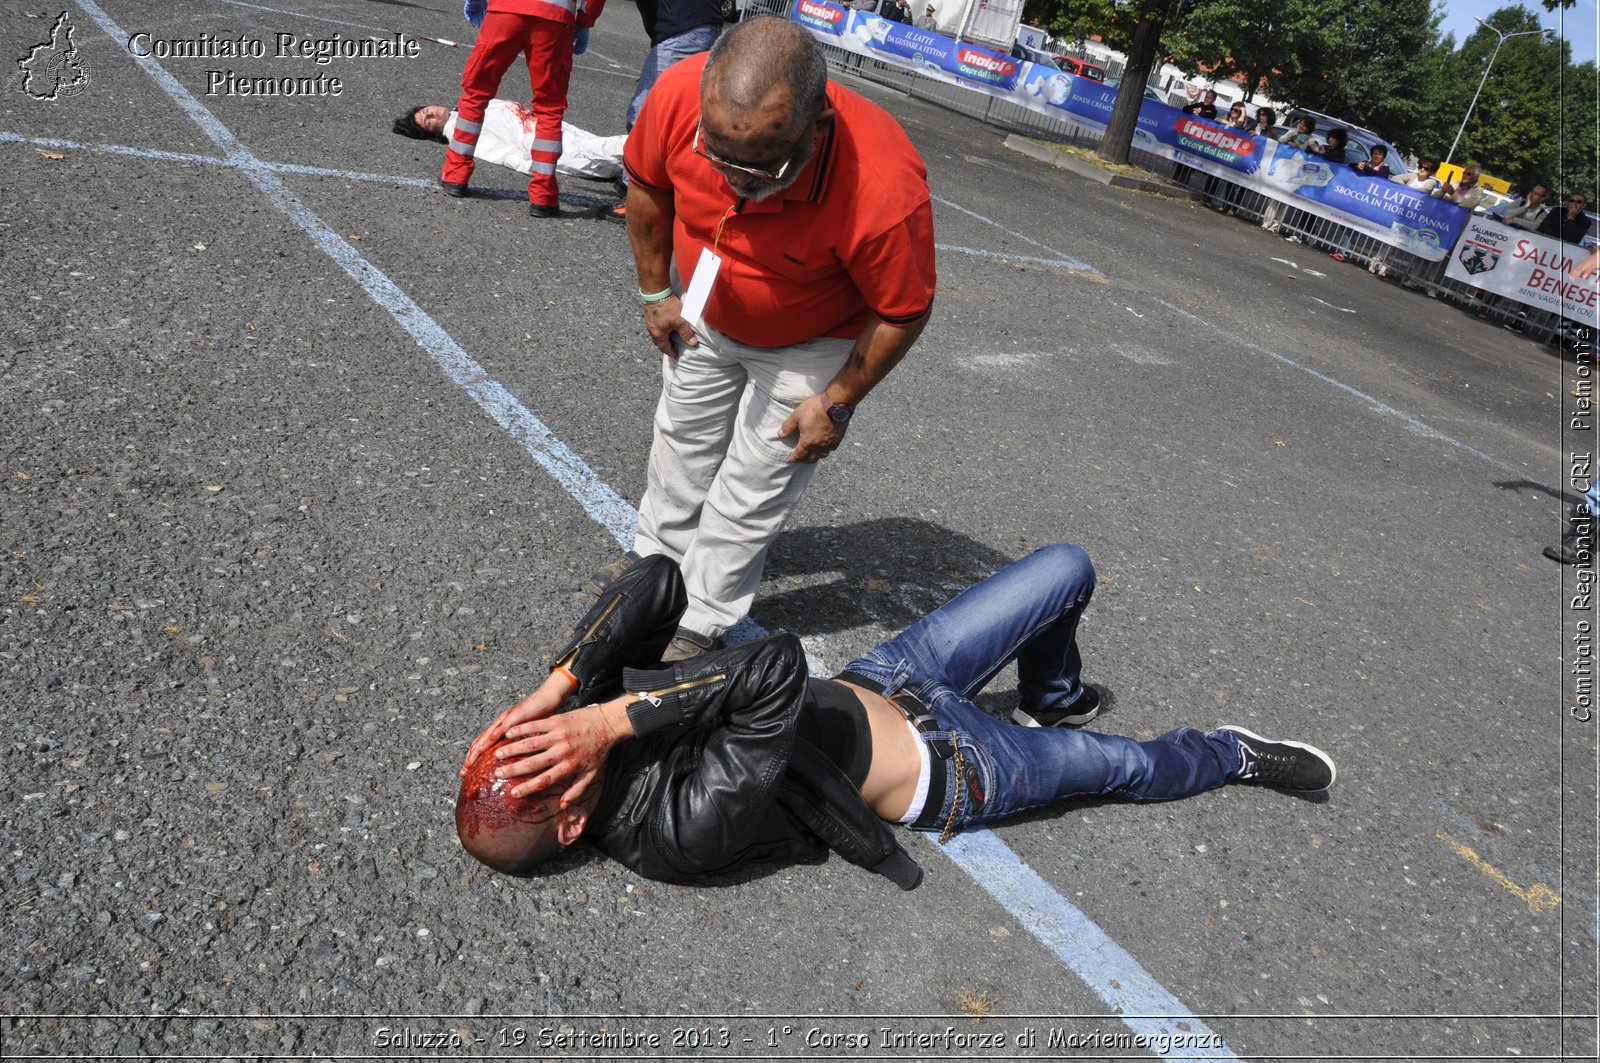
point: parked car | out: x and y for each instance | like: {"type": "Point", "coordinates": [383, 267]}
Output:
{"type": "Point", "coordinates": [1361, 141]}
{"type": "Point", "coordinates": [1149, 93]}
{"type": "Point", "coordinates": [1033, 55]}
{"type": "Point", "coordinates": [1082, 67]}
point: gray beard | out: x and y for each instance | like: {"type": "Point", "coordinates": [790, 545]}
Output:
{"type": "Point", "coordinates": [768, 189]}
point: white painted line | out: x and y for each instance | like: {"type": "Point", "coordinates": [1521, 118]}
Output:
{"type": "Point", "coordinates": [577, 198]}
{"type": "Point", "coordinates": [1420, 427]}
{"type": "Point", "coordinates": [1312, 272]}
{"type": "Point", "coordinates": [1330, 306]}
{"type": "Point", "coordinates": [436, 40]}
{"type": "Point", "coordinates": [1105, 968]}
{"type": "Point", "coordinates": [318, 18]}
{"type": "Point", "coordinates": [1060, 259]}
{"type": "Point", "coordinates": [1286, 262]}
{"type": "Point", "coordinates": [1064, 263]}
{"type": "Point", "coordinates": [212, 160]}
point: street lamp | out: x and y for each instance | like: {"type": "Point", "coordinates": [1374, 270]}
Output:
{"type": "Point", "coordinates": [1503, 37]}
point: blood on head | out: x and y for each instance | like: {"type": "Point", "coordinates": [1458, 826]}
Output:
{"type": "Point", "coordinates": [507, 833]}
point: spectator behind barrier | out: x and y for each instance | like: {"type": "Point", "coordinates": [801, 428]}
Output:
{"type": "Point", "coordinates": [1466, 192]}
{"type": "Point", "coordinates": [1376, 164]}
{"type": "Point", "coordinates": [1527, 212]}
{"type": "Point", "coordinates": [1333, 149]}
{"type": "Point", "coordinates": [1300, 135]}
{"type": "Point", "coordinates": [1570, 226]}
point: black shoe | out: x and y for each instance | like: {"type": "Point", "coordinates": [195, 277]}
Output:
{"type": "Point", "coordinates": [618, 214]}
{"type": "Point", "coordinates": [455, 189]}
{"type": "Point", "coordinates": [686, 644]}
{"type": "Point", "coordinates": [1291, 765]}
{"type": "Point", "coordinates": [1568, 551]}
{"type": "Point", "coordinates": [543, 210]}
{"type": "Point", "coordinates": [608, 572]}
{"type": "Point", "coordinates": [1082, 709]}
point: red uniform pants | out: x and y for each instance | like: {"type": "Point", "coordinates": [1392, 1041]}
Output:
{"type": "Point", "coordinates": [548, 47]}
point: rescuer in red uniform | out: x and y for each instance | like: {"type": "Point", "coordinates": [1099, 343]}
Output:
{"type": "Point", "coordinates": [549, 33]}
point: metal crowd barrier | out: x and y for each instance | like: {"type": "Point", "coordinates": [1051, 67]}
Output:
{"type": "Point", "coordinates": [1299, 226]}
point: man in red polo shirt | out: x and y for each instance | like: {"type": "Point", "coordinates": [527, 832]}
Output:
{"type": "Point", "coordinates": [783, 236]}
{"type": "Point", "coordinates": [547, 32]}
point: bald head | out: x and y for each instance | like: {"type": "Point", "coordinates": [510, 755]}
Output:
{"type": "Point", "coordinates": [513, 834]}
{"type": "Point", "coordinates": [763, 62]}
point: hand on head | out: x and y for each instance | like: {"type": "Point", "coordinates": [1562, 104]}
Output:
{"type": "Point", "coordinates": [541, 703]}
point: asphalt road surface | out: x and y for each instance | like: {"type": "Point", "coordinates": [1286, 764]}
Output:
{"type": "Point", "coordinates": [303, 462]}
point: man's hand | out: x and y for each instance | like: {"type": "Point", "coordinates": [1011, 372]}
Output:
{"type": "Point", "coordinates": [1587, 268]}
{"type": "Point", "coordinates": [664, 321]}
{"type": "Point", "coordinates": [473, 11]}
{"type": "Point", "coordinates": [536, 706]}
{"type": "Point", "coordinates": [819, 434]}
{"type": "Point", "coordinates": [570, 748]}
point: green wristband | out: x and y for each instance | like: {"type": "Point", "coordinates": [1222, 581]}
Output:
{"type": "Point", "coordinates": [661, 296]}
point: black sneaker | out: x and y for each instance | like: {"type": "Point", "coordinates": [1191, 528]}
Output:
{"type": "Point", "coordinates": [1291, 765]}
{"type": "Point", "coordinates": [543, 210]}
{"type": "Point", "coordinates": [608, 572]}
{"type": "Point", "coordinates": [455, 189]}
{"type": "Point", "coordinates": [1082, 709]}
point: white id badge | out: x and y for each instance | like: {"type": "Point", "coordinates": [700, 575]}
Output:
{"type": "Point", "coordinates": [705, 275]}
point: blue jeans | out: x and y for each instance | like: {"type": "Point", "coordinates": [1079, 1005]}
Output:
{"type": "Point", "coordinates": [1028, 612]}
{"type": "Point", "coordinates": [663, 55]}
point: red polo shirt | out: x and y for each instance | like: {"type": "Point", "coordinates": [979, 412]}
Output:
{"type": "Point", "coordinates": [852, 236]}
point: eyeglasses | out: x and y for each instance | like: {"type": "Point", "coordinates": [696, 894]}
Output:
{"type": "Point", "coordinates": [1578, 200]}
{"type": "Point", "coordinates": [727, 164]}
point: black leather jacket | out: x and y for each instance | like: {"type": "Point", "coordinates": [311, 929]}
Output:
{"type": "Point", "coordinates": [715, 775]}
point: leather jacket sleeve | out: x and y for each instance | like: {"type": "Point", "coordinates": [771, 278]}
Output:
{"type": "Point", "coordinates": [752, 694]}
{"type": "Point", "coordinates": [629, 626]}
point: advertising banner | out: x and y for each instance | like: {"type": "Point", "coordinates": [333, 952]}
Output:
{"type": "Point", "coordinates": [927, 51]}
{"type": "Point", "coordinates": [1523, 266]}
{"type": "Point", "coordinates": [1382, 209]}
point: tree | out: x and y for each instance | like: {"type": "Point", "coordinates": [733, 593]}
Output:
{"type": "Point", "coordinates": [1516, 128]}
{"type": "Point", "coordinates": [1372, 62]}
{"type": "Point", "coordinates": [1263, 40]}
{"type": "Point", "coordinates": [1132, 26]}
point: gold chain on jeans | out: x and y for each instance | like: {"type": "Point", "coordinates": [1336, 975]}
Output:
{"type": "Point", "coordinates": [960, 769]}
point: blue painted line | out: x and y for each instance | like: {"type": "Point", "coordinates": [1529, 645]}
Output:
{"type": "Point", "coordinates": [609, 509]}
{"type": "Point", "coordinates": [1106, 968]}
{"type": "Point", "coordinates": [1117, 978]}
{"type": "Point", "coordinates": [1422, 428]}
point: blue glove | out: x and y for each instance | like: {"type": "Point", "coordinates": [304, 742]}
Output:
{"type": "Point", "coordinates": [473, 11]}
{"type": "Point", "coordinates": [580, 40]}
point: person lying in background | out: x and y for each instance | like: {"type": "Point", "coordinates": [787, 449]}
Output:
{"type": "Point", "coordinates": [507, 139]}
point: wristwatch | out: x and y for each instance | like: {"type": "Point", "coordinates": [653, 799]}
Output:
{"type": "Point", "coordinates": [840, 412]}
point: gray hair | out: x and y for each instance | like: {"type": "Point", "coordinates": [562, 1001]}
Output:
{"type": "Point", "coordinates": [756, 56]}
